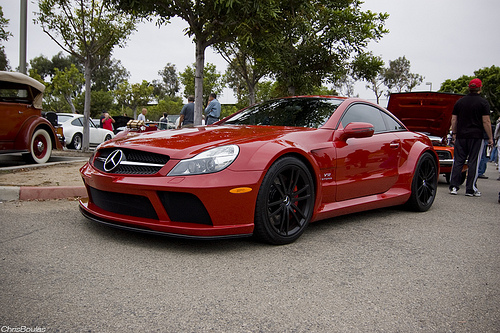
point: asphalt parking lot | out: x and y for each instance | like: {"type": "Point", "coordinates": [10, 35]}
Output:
{"type": "Point", "coordinates": [386, 270]}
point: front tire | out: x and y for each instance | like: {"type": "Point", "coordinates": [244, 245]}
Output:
{"type": "Point", "coordinates": [285, 202]}
{"type": "Point", "coordinates": [424, 184]}
{"type": "Point", "coordinates": [40, 147]}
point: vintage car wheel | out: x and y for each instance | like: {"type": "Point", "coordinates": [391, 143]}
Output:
{"type": "Point", "coordinates": [285, 202]}
{"type": "Point", "coordinates": [40, 147]}
{"type": "Point", "coordinates": [76, 142]}
{"type": "Point", "coordinates": [424, 184]}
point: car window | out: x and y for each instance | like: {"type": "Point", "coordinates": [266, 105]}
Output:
{"type": "Point", "coordinates": [14, 95]}
{"type": "Point", "coordinates": [297, 112]}
{"type": "Point", "coordinates": [61, 118]}
{"type": "Point", "coordinates": [364, 113]}
{"type": "Point", "coordinates": [77, 122]}
{"type": "Point", "coordinates": [391, 123]}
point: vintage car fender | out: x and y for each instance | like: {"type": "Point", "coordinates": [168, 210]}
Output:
{"type": "Point", "coordinates": [29, 127]}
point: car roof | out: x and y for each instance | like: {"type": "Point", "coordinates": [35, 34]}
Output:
{"type": "Point", "coordinates": [20, 78]}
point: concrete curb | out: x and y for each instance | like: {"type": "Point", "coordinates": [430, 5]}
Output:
{"type": "Point", "coordinates": [22, 193]}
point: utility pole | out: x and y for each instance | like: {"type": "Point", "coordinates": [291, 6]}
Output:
{"type": "Point", "coordinates": [23, 38]}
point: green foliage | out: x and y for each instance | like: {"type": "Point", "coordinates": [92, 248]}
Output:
{"type": "Point", "coordinates": [314, 41]}
{"type": "Point", "coordinates": [490, 76]}
{"type": "Point", "coordinates": [170, 82]}
{"type": "Point", "coordinates": [212, 81]}
{"type": "Point", "coordinates": [169, 105]}
{"type": "Point", "coordinates": [132, 96]}
{"type": "Point", "coordinates": [108, 75]}
{"type": "Point", "coordinates": [66, 83]}
{"type": "Point", "coordinates": [88, 30]}
{"type": "Point", "coordinates": [4, 36]}
{"type": "Point", "coordinates": [397, 76]}
{"type": "Point", "coordinates": [458, 86]}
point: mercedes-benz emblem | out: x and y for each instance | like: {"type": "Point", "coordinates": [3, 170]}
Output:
{"type": "Point", "coordinates": [113, 160]}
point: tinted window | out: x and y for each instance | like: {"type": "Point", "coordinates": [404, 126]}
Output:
{"type": "Point", "coordinates": [391, 123]}
{"type": "Point", "coordinates": [366, 114]}
{"type": "Point", "coordinates": [77, 122]}
{"type": "Point", "coordinates": [298, 112]}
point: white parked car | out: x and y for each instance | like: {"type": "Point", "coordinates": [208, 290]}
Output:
{"type": "Point", "coordinates": [72, 125]}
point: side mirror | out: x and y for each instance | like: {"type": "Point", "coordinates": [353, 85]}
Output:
{"type": "Point", "coordinates": [357, 130]}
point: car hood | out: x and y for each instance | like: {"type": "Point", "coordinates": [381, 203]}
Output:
{"type": "Point", "coordinates": [187, 142]}
{"type": "Point", "coordinates": [427, 112]}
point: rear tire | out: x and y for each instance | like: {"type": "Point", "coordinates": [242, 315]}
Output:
{"type": "Point", "coordinates": [424, 184]}
{"type": "Point", "coordinates": [40, 147]}
{"type": "Point", "coordinates": [285, 202]}
{"type": "Point", "coordinates": [76, 142]}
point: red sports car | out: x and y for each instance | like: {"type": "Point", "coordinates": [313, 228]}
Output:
{"type": "Point", "coordinates": [267, 170]}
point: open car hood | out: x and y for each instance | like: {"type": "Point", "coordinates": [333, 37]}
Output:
{"type": "Point", "coordinates": [426, 112]}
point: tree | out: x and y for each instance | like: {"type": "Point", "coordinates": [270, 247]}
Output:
{"type": "Point", "coordinates": [108, 75]}
{"type": "Point", "coordinates": [4, 36]}
{"type": "Point", "coordinates": [134, 96]}
{"type": "Point", "coordinates": [88, 30]}
{"type": "Point", "coordinates": [66, 83]}
{"type": "Point", "coordinates": [490, 76]}
{"type": "Point", "coordinates": [397, 76]}
{"type": "Point", "coordinates": [46, 67]}
{"type": "Point", "coordinates": [212, 81]}
{"type": "Point", "coordinates": [210, 22]}
{"type": "Point", "coordinates": [369, 68]}
{"type": "Point", "coordinates": [315, 41]}
{"type": "Point", "coordinates": [170, 82]}
{"type": "Point", "coordinates": [245, 70]}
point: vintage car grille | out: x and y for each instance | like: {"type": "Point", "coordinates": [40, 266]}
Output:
{"type": "Point", "coordinates": [129, 161]}
{"type": "Point", "coordinates": [443, 155]}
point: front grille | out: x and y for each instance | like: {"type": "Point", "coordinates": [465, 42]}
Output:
{"type": "Point", "coordinates": [133, 162]}
{"type": "Point", "coordinates": [443, 155]}
{"type": "Point", "coordinates": [121, 203]}
{"type": "Point", "coordinates": [184, 207]}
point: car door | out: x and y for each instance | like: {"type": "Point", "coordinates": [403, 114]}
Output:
{"type": "Point", "coordinates": [95, 134]}
{"type": "Point", "coordinates": [367, 166]}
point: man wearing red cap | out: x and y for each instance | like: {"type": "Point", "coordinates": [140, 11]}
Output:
{"type": "Point", "coordinates": [470, 119]}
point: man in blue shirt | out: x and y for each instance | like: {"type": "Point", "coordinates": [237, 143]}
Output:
{"type": "Point", "coordinates": [212, 111]}
{"type": "Point", "coordinates": [187, 114]}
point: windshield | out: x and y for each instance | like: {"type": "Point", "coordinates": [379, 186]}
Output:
{"type": "Point", "coordinates": [298, 112]}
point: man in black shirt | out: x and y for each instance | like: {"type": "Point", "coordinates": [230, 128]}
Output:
{"type": "Point", "coordinates": [470, 119]}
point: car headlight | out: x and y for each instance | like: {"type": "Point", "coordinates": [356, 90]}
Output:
{"type": "Point", "coordinates": [210, 161]}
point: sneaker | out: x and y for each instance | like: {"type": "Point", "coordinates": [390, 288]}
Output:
{"type": "Point", "coordinates": [482, 177]}
{"type": "Point", "coordinates": [475, 194]}
{"type": "Point", "coordinates": [453, 191]}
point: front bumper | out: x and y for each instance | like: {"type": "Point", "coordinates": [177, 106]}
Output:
{"type": "Point", "coordinates": [194, 206]}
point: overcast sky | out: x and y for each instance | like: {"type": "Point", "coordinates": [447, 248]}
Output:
{"type": "Point", "coordinates": [442, 39]}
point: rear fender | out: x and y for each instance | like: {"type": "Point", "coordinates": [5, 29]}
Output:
{"type": "Point", "coordinates": [23, 138]}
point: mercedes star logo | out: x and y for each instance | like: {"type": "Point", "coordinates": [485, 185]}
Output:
{"type": "Point", "coordinates": [113, 160]}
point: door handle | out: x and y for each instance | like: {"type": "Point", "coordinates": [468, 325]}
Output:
{"type": "Point", "coordinates": [394, 145]}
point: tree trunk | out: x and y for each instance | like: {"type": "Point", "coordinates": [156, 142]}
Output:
{"type": "Point", "coordinates": [86, 109]}
{"type": "Point", "coordinates": [198, 82]}
{"type": "Point", "coordinates": [70, 102]}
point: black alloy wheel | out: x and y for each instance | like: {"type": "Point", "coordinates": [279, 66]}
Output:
{"type": "Point", "coordinates": [424, 184]}
{"type": "Point", "coordinates": [285, 202]}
